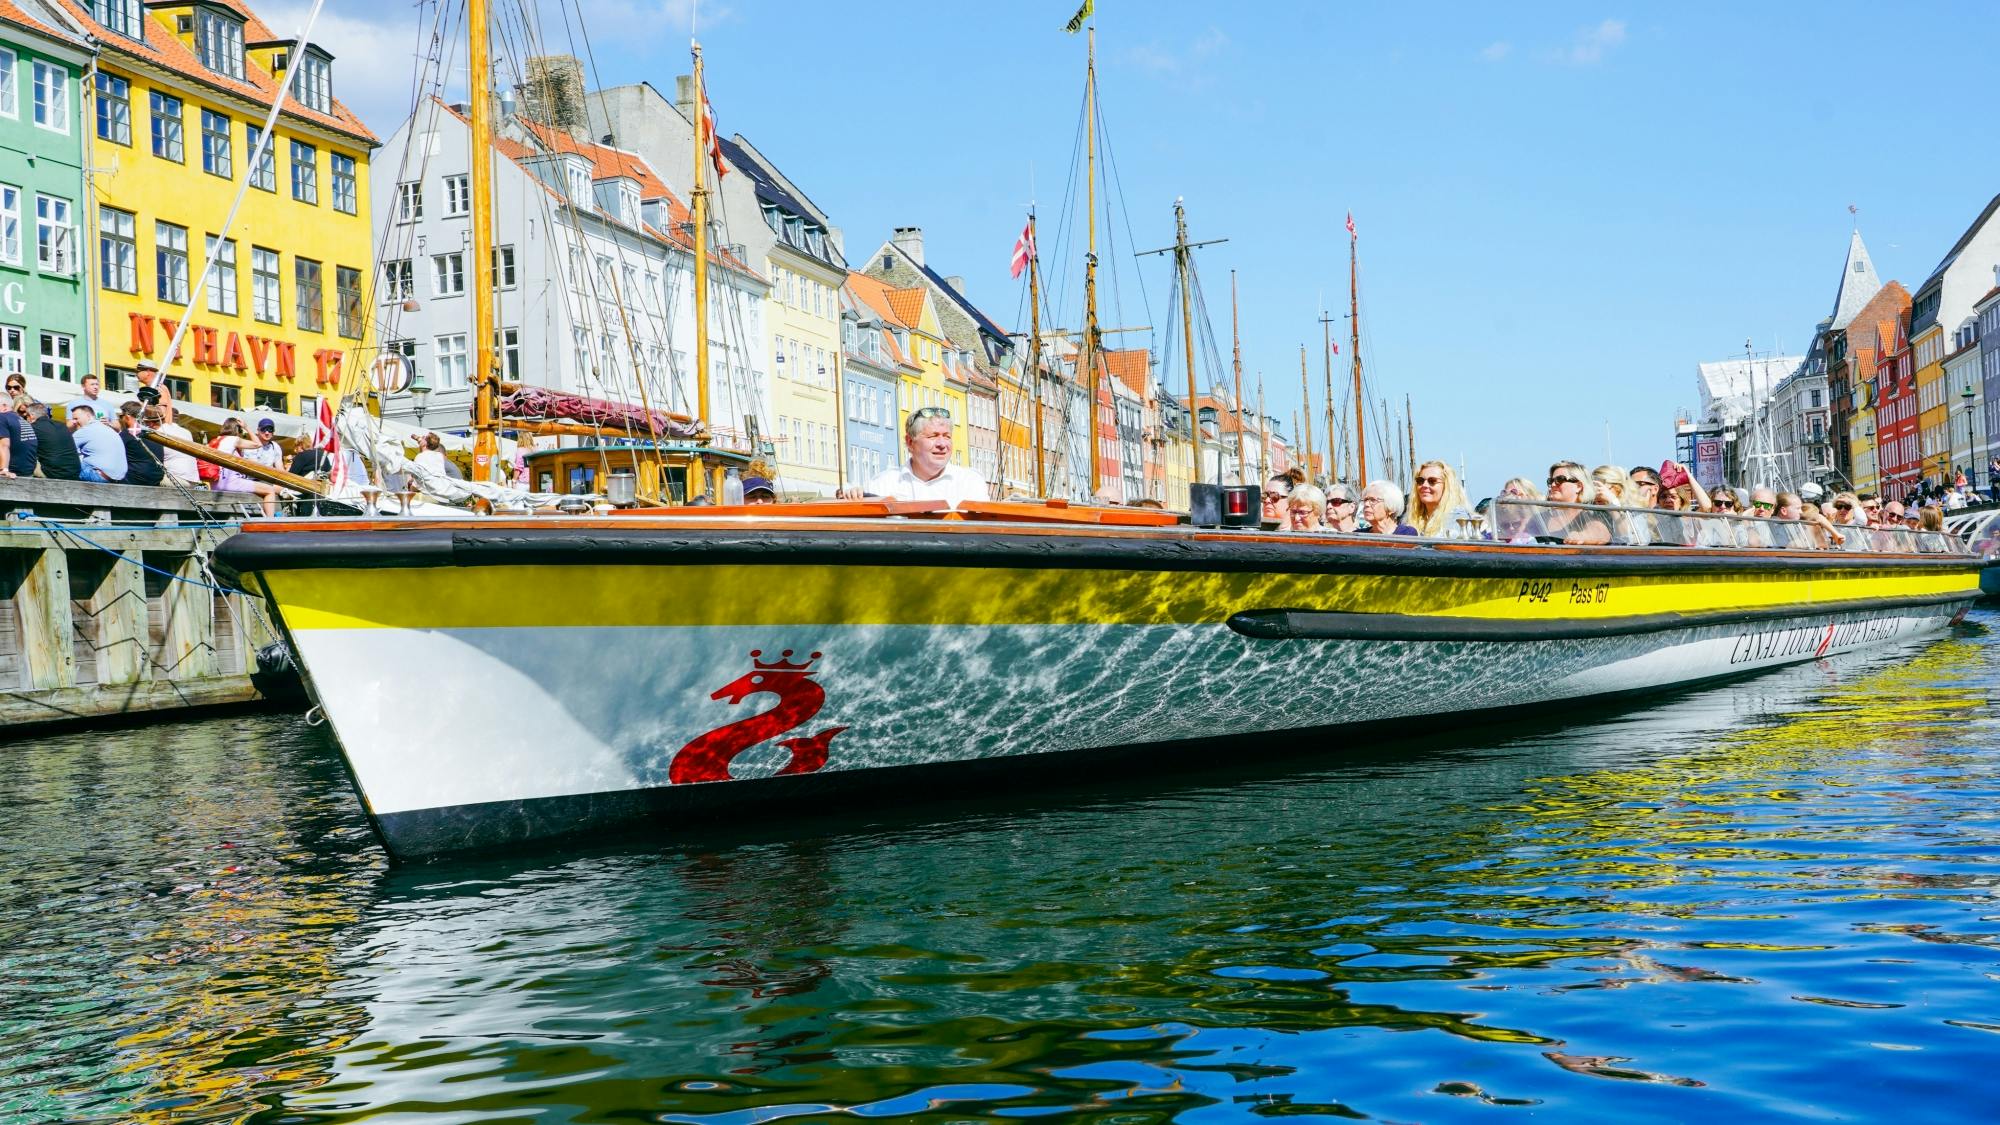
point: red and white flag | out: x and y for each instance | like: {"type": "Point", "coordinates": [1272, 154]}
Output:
{"type": "Point", "coordinates": [327, 438]}
{"type": "Point", "coordinates": [1350, 224]}
{"type": "Point", "coordinates": [1024, 248]}
{"type": "Point", "coordinates": [714, 138]}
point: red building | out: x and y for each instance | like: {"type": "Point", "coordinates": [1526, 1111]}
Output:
{"type": "Point", "coordinates": [1898, 450]}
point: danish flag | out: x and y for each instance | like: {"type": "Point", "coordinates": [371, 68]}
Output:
{"type": "Point", "coordinates": [714, 138]}
{"type": "Point", "coordinates": [1350, 224]}
{"type": "Point", "coordinates": [1024, 248]}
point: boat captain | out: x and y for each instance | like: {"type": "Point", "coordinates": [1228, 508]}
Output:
{"type": "Point", "coordinates": [929, 473]}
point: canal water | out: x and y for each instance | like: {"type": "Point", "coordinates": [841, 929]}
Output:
{"type": "Point", "coordinates": [1771, 899]}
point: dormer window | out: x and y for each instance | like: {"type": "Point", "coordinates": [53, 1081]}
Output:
{"type": "Point", "coordinates": [121, 16]}
{"type": "Point", "coordinates": [579, 181]}
{"type": "Point", "coordinates": [314, 85]}
{"type": "Point", "coordinates": [218, 40]}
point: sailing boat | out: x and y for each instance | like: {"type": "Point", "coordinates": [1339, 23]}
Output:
{"type": "Point", "coordinates": [528, 678]}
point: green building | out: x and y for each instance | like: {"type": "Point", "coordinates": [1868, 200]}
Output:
{"type": "Point", "coordinates": [44, 272]}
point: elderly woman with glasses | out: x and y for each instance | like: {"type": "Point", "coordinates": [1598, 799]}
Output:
{"type": "Point", "coordinates": [1342, 513]}
{"type": "Point", "coordinates": [1435, 509]}
{"type": "Point", "coordinates": [1303, 508]}
{"type": "Point", "coordinates": [1382, 510]}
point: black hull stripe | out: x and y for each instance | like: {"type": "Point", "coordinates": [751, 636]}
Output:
{"type": "Point", "coordinates": [1320, 625]}
{"type": "Point", "coordinates": [252, 552]}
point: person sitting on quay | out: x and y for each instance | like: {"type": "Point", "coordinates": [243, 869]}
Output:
{"type": "Point", "coordinates": [180, 466]}
{"type": "Point", "coordinates": [98, 445]}
{"type": "Point", "coordinates": [17, 388]}
{"type": "Point", "coordinates": [93, 399]}
{"type": "Point", "coordinates": [1382, 510]}
{"type": "Point", "coordinates": [16, 440]}
{"type": "Point", "coordinates": [929, 473]}
{"type": "Point", "coordinates": [153, 390]}
{"type": "Point", "coordinates": [142, 459]}
{"type": "Point", "coordinates": [55, 449]}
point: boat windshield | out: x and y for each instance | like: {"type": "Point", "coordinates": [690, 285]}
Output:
{"type": "Point", "coordinates": [1540, 521]}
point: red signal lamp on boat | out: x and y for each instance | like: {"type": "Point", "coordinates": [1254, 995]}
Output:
{"type": "Point", "coordinates": [1240, 507]}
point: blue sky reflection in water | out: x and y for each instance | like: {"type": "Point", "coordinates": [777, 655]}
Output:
{"type": "Point", "coordinates": [1769, 899]}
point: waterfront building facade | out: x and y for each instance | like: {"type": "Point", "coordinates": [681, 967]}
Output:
{"type": "Point", "coordinates": [1938, 309]}
{"type": "Point", "coordinates": [871, 370]}
{"type": "Point", "coordinates": [982, 421]}
{"type": "Point", "coordinates": [593, 276]}
{"type": "Point", "coordinates": [178, 102]}
{"type": "Point", "coordinates": [1964, 394]}
{"type": "Point", "coordinates": [765, 220]}
{"type": "Point", "coordinates": [1853, 351]}
{"type": "Point", "coordinates": [1858, 285]}
{"type": "Point", "coordinates": [1017, 432]}
{"type": "Point", "coordinates": [1986, 313]}
{"type": "Point", "coordinates": [44, 279]}
{"type": "Point", "coordinates": [1176, 451]}
{"type": "Point", "coordinates": [1899, 458]}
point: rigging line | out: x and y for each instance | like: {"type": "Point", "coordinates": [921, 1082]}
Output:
{"type": "Point", "coordinates": [1111, 160]}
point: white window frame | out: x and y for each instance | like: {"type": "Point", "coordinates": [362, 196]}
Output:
{"type": "Point", "coordinates": [10, 224]}
{"type": "Point", "coordinates": [13, 349]}
{"type": "Point", "coordinates": [399, 280]}
{"type": "Point", "coordinates": [260, 300]}
{"type": "Point", "coordinates": [60, 103]}
{"type": "Point", "coordinates": [170, 262]}
{"type": "Point", "coordinates": [448, 274]}
{"type": "Point", "coordinates": [451, 366]}
{"type": "Point", "coordinates": [409, 201]}
{"type": "Point", "coordinates": [222, 285]}
{"type": "Point", "coordinates": [505, 274]}
{"type": "Point", "coordinates": [58, 362]}
{"type": "Point", "coordinates": [63, 232]}
{"type": "Point", "coordinates": [10, 85]}
{"type": "Point", "coordinates": [118, 250]}
{"type": "Point", "coordinates": [457, 196]}
{"type": "Point", "coordinates": [263, 174]}
{"type": "Point", "coordinates": [344, 172]}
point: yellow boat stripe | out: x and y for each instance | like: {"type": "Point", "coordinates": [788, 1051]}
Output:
{"type": "Point", "coordinates": [820, 594]}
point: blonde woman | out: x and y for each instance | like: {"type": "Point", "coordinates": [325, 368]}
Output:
{"type": "Point", "coordinates": [1438, 500]}
{"type": "Point", "coordinates": [1513, 523]}
{"type": "Point", "coordinates": [1610, 486]}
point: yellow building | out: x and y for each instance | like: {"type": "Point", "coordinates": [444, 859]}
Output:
{"type": "Point", "coordinates": [1933, 403]}
{"type": "Point", "coordinates": [181, 94]}
{"type": "Point", "coordinates": [1017, 429]}
{"type": "Point", "coordinates": [910, 314]}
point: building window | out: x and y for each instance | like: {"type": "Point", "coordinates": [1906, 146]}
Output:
{"type": "Point", "coordinates": [305, 172]}
{"type": "Point", "coordinates": [448, 274]}
{"type": "Point", "coordinates": [170, 262]}
{"type": "Point", "coordinates": [117, 250]}
{"type": "Point", "coordinates": [51, 97]}
{"type": "Point", "coordinates": [264, 165]}
{"type": "Point", "coordinates": [114, 108]}
{"type": "Point", "coordinates": [222, 282]}
{"type": "Point", "coordinates": [347, 301]}
{"type": "Point", "coordinates": [409, 202]}
{"type": "Point", "coordinates": [54, 252]}
{"type": "Point", "coordinates": [10, 224]}
{"type": "Point", "coordinates": [346, 193]}
{"type": "Point", "coordinates": [503, 267]}
{"type": "Point", "coordinates": [121, 16]}
{"type": "Point", "coordinates": [13, 350]}
{"type": "Point", "coordinates": [451, 365]}
{"type": "Point", "coordinates": [507, 341]}
{"type": "Point", "coordinates": [59, 356]}
{"type": "Point", "coordinates": [457, 196]}
{"type": "Point", "coordinates": [311, 302]}
{"type": "Point", "coordinates": [215, 144]}
{"type": "Point", "coordinates": [167, 131]}
{"type": "Point", "coordinates": [398, 280]}
{"type": "Point", "coordinates": [314, 85]}
{"type": "Point", "coordinates": [276, 402]}
{"type": "Point", "coordinates": [10, 105]}
{"type": "Point", "coordinates": [266, 300]}
{"type": "Point", "coordinates": [218, 42]}
{"type": "Point", "coordinates": [228, 396]}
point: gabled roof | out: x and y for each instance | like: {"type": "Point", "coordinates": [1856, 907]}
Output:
{"type": "Point", "coordinates": [765, 181]}
{"type": "Point", "coordinates": [163, 49]}
{"type": "Point", "coordinates": [1130, 366]}
{"type": "Point", "coordinates": [606, 162]}
{"type": "Point", "coordinates": [35, 18]}
{"type": "Point", "coordinates": [875, 295]}
{"type": "Point", "coordinates": [909, 305]}
{"type": "Point", "coordinates": [1958, 247]}
{"type": "Point", "coordinates": [1858, 283]}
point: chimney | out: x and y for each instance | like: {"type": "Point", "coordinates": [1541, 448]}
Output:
{"type": "Point", "coordinates": [910, 240]}
{"type": "Point", "coordinates": [684, 94]}
{"type": "Point", "coordinates": [956, 285]}
{"type": "Point", "coordinates": [553, 92]}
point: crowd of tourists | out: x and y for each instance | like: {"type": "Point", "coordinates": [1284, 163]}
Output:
{"type": "Point", "coordinates": [1581, 506]}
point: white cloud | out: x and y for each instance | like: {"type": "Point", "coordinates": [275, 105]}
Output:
{"type": "Point", "coordinates": [1591, 44]}
{"type": "Point", "coordinates": [374, 47]}
{"type": "Point", "coordinates": [1494, 52]}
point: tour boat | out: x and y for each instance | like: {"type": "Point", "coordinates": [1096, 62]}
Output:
{"type": "Point", "coordinates": [505, 680]}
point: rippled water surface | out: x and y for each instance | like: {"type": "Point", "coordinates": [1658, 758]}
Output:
{"type": "Point", "coordinates": [1769, 899]}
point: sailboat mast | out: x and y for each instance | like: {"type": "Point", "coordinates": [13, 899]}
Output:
{"type": "Point", "coordinates": [1090, 336]}
{"type": "Point", "coordinates": [1326, 350]}
{"type": "Point", "coordinates": [698, 212]}
{"type": "Point", "coordinates": [1035, 351]}
{"type": "Point", "coordinates": [1187, 332]}
{"type": "Point", "coordinates": [1410, 440]}
{"type": "Point", "coordinates": [486, 379]}
{"type": "Point", "coordinates": [1305, 433]}
{"type": "Point", "coordinates": [1236, 347]}
{"type": "Point", "coordinates": [1263, 436]}
{"type": "Point", "coordinates": [1354, 345]}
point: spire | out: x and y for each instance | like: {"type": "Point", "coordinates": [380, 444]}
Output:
{"type": "Point", "coordinates": [1858, 283]}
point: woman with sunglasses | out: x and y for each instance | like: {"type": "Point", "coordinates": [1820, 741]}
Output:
{"type": "Point", "coordinates": [1434, 509]}
{"type": "Point", "coordinates": [17, 388]}
{"type": "Point", "coordinates": [1567, 481]}
{"type": "Point", "coordinates": [1342, 513]}
{"type": "Point", "coordinates": [1513, 523]}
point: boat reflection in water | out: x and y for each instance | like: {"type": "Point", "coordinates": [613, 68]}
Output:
{"type": "Point", "coordinates": [1532, 909]}
{"type": "Point", "coordinates": [508, 680]}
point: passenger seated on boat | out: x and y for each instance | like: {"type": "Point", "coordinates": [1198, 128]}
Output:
{"type": "Point", "coordinates": [1609, 486]}
{"type": "Point", "coordinates": [758, 490]}
{"type": "Point", "coordinates": [1847, 510]}
{"type": "Point", "coordinates": [1645, 487]}
{"type": "Point", "coordinates": [1439, 500]}
{"type": "Point", "coordinates": [1303, 508]}
{"type": "Point", "coordinates": [929, 473]}
{"type": "Point", "coordinates": [1275, 490]}
{"type": "Point", "coordinates": [1825, 536]}
{"type": "Point", "coordinates": [1342, 513]}
{"type": "Point", "coordinates": [1571, 525]}
{"type": "Point", "coordinates": [1891, 514]}
{"type": "Point", "coordinates": [1930, 518]}
{"type": "Point", "coordinates": [1512, 523]}
{"type": "Point", "coordinates": [1382, 509]}
{"type": "Point", "coordinates": [1790, 506]}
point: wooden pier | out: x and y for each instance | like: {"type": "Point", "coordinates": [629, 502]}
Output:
{"type": "Point", "coordinates": [107, 609]}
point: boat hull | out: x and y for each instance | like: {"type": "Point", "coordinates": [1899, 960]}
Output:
{"type": "Point", "coordinates": [512, 692]}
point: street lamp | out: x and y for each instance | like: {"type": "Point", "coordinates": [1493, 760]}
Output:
{"type": "Point", "coordinates": [420, 395]}
{"type": "Point", "coordinates": [1971, 467]}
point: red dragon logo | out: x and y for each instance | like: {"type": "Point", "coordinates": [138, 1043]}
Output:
{"type": "Point", "coordinates": [707, 758]}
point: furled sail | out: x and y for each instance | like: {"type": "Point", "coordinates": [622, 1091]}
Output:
{"type": "Point", "coordinates": [538, 404]}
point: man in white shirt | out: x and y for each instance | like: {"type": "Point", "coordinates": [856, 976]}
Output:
{"type": "Point", "coordinates": [179, 465]}
{"type": "Point", "coordinates": [929, 473]}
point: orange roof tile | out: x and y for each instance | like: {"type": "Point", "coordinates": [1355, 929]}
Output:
{"type": "Point", "coordinates": [876, 295]}
{"type": "Point", "coordinates": [14, 14]}
{"type": "Point", "coordinates": [163, 49]}
{"type": "Point", "coordinates": [909, 305]}
{"type": "Point", "coordinates": [1130, 366]}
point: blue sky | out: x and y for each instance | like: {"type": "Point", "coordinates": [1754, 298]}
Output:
{"type": "Point", "coordinates": [1563, 208]}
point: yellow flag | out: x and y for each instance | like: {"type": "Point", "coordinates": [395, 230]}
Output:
{"type": "Point", "coordinates": [1076, 21]}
